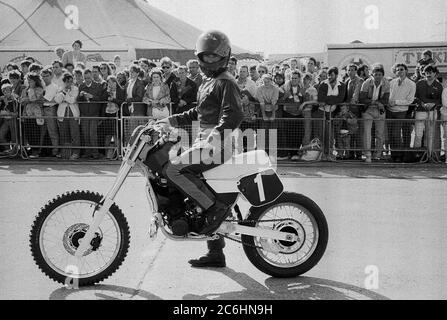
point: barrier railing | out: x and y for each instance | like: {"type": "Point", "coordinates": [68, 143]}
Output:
{"type": "Point", "coordinates": [326, 134]}
{"type": "Point", "coordinates": [69, 137]}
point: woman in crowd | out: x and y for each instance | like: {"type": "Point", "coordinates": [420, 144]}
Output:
{"type": "Point", "coordinates": [32, 100]}
{"type": "Point", "coordinates": [157, 96]}
{"type": "Point", "coordinates": [105, 70]}
{"type": "Point", "coordinates": [134, 99]}
{"type": "Point", "coordinates": [116, 95]}
{"type": "Point", "coordinates": [68, 116]}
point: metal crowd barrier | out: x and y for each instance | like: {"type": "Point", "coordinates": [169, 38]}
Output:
{"type": "Point", "coordinates": [328, 135]}
{"type": "Point", "coordinates": [68, 136]}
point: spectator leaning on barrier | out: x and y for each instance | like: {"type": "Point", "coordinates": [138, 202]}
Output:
{"type": "Point", "coordinates": [75, 55]}
{"type": "Point", "coordinates": [58, 74]}
{"type": "Point", "coordinates": [8, 113]}
{"type": "Point", "coordinates": [157, 96]}
{"type": "Point", "coordinates": [166, 67]}
{"type": "Point", "coordinates": [290, 131]}
{"type": "Point", "coordinates": [374, 94]}
{"type": "Point", "coordinates": [267, 95]}
{"type": "Point", "coordinates": [91, 91]}
{"type": "Point", "coordinates": [402, 92]}
{"type": "Point", "coordinates": [50, 110]}
{"type": "Point", "coordinates": [443, 112]}
{"type": "Point", "coordinates": [310, 100]}
{"type": "Point", "coordinates": [428, 98]}
{"type": "Point", "coordinates": [194, 72]}
{"type": "Point", "coordinates": [115, 97]}
{"type": "Point", "coordinates": [135, 93]}
{"type": "Point", "coordinates": [353, 86]}
{"type": "Point", "coordinates": [183, 92]}
{"type": "Point", "coordinates": [262, 70]}
{"type": "Point", "coordinates": [245, 83]}
{"type": "Point", "coordinates": [68, 116]}
{"type": "Point", "coordinates": [14, 77]}
{"type": "Point", "coordinates": [31, 101]}
{"type": "Point", "coordinates": [331, 92]}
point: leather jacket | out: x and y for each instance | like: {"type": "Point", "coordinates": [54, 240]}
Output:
{"type": "Point", "coordinates": [219, 107]}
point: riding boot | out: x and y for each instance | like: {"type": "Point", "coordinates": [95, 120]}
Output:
{"type": "Point", "coordinates": [215, 257]}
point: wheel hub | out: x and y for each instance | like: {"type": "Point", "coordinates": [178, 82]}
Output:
{"type": "Point", "coordinates": [73, 237]}
{"type": "Point", "coordinates": [294, 227]}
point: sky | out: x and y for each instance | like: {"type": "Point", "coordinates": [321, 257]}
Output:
{"type": "Point", "coordinates": [306, 26]}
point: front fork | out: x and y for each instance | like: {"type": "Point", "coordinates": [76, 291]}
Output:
{"type": "Point", "coordinates": [108, 200]}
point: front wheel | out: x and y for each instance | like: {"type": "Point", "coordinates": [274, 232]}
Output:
{"type": "Point", "coordinates": [293, 213]}
{"type": "Point", "coordinates": [58, 231]}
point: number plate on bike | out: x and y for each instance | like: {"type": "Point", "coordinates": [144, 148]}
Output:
{"type": "Point", "coordinates": [261, 188]}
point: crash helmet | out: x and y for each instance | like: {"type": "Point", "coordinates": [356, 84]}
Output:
{"type": "Point", "coordinates": [213, 42]}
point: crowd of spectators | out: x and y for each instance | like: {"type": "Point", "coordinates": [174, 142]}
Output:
{"type": "Point", "coordinates": [68, 104]}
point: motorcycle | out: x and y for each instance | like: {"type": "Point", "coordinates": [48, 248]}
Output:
{"type": "Point", "coordinates": [83, 236]}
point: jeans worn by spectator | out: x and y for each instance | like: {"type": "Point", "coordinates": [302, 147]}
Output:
{"type": "Point", "coordinates": [89, 129]}
{"type": "Point", "coordinates": [419, 127]}
{"type": "Point", "coordinates": [322, 129]}
{"type": "Point", "coordinates": [8, 125]}
{"type": "Point", "coordinates": [51, 127]}
{"type": "Point", "coordinates": [307, 114]}
{"type": "Point", "coordinates": [69, 131]}
{"type": "Point", "coordinates": [399, 132]}
{"type": "Point", "coordinates": [372, 114]}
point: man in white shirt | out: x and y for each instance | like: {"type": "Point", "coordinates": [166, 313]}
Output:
{"type": "Point", "coordinates": [50, 110]}
{"type": "Point", "coordinates": [402, 91]}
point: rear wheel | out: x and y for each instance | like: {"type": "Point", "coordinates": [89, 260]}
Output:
{"type": "Point", "coordinates": [293, 213]}
{"type": "Point", "coordinates": [58, 230]}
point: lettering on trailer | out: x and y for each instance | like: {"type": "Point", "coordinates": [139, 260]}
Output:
{"type": "Point", "coordinates": [411, 56]}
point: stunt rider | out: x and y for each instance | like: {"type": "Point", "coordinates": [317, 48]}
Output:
{"type": "Point", "coordinates": [218, 109]}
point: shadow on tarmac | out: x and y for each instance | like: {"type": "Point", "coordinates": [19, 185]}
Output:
{"type": "Point", "coordinates": [299, 288]}
{"type": "Point", "coordinates": [102, 292]}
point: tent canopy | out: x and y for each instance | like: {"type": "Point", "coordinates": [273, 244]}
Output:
{"type": "Point", "coordinates": [99, 24]}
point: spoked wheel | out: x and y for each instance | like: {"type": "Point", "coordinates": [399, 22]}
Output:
{"type": "Point", "coordinates": [58, 231]}
{"type": "Point", "coordinates": [292, 213]}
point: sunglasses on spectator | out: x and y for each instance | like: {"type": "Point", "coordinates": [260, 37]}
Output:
{"type": "Point", "coordinates": [400, 69]}
{"type": "Point", "coordinates": [165, 67]}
